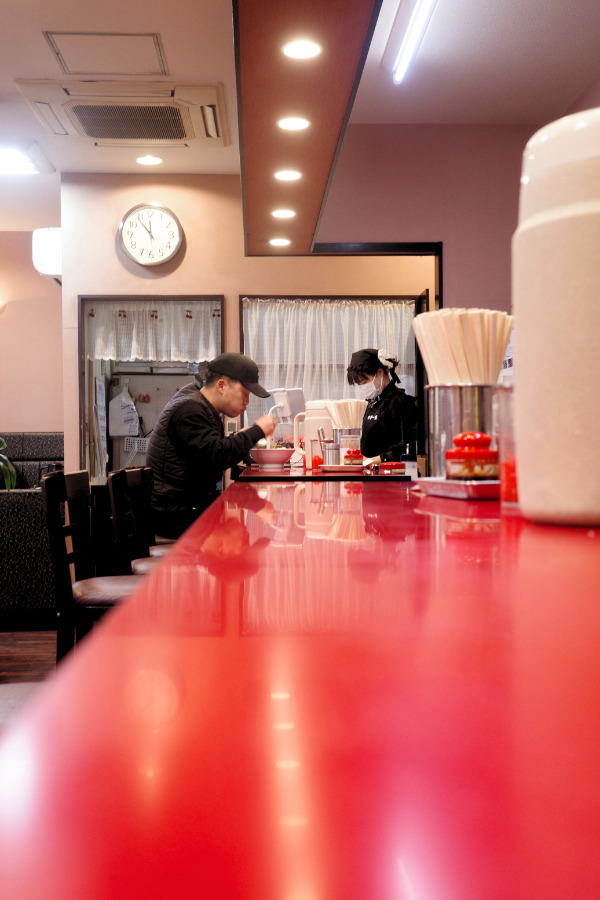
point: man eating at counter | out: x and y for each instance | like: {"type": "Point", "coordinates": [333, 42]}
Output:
{"type": "Point", "coordinates": [188, 449]}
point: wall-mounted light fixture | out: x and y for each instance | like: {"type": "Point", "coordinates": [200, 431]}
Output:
{"type": "Point", "coordinates": [413, 36]}
{"type": "Point", "coordinates": [46, 251]}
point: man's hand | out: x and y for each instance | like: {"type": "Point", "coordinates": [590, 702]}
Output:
{"type": "Point", "coordinates": [267, 423]}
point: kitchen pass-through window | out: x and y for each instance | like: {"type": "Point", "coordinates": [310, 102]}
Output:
{"type": "Point", "coordinates": [307, 342]}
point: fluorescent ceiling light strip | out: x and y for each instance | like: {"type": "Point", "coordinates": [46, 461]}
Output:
{"type": "Point", "coordinates": [413, 37]}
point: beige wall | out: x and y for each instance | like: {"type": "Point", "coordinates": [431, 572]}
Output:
{"type": "Point", "coordinates": [213, 262]}
{"type": "Point", "coordinates": [31, 393]}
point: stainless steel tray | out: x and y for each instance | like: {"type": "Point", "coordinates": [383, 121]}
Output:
{"type": "Point", "coordinates": [460, 490]}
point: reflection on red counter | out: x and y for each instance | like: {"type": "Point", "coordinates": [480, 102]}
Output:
{"type": "Point", "coordinates": [326, 689]}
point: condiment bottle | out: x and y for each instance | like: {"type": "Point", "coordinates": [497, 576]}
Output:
{"type": "Point", "coordinates": [471, 458]}
{"type": "Point", "coordinates": [410, 461]}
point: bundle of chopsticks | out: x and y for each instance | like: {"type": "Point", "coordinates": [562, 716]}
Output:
{"type": "Point", "coordinates": [463, 346]}
{"type": "Point", "coordinates": [346, 413]}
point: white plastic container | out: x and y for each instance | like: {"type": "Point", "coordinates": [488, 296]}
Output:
{"type": "Point", "coordinates": [556, 302]}
{"type": "Point", "coordinates": [315, 417]}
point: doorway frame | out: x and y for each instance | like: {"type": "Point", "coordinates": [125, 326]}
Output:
{"type": "Point", "coordinates": [81, 300]}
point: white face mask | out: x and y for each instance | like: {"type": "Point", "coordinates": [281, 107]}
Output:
{"type": "Point", "coordinates": [369, 390]}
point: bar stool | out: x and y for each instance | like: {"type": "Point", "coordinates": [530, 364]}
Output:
{"type": "Point", "coordinates": [135, 540]}
{"type": "Point", "coordinates": [85, 598]}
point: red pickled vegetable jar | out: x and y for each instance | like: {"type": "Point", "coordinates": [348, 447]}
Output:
{"type": "Point", "coordinates": [471, 458]}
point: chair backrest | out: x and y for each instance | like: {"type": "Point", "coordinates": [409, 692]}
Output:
{"type": "Point", "coordinates": [131, 511]}
{"type": "Point", "coordinates": [66, 498]}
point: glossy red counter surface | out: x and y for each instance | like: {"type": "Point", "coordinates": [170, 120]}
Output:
{"type": "Point", "coordinates": [327, 692]}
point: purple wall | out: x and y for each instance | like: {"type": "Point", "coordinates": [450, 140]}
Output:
{"type": "Point", "coordinates": [458, 184]}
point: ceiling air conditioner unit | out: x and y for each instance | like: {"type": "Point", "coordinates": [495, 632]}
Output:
{"type": "Point", "coordinates": [122, 114]}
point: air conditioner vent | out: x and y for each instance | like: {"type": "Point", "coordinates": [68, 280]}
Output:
{"type": "Point", "coordinates": [117, 113]}
{"type": "Point", "coordinates": [165, 124]}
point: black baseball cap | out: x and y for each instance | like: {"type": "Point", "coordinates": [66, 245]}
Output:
{"type": "Point", "coordinates": [240, 367]}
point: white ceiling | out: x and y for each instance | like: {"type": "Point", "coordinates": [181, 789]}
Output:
{"type": "Point", "coordinates": [482, 61]}
{"type": "Point", "coordinates": [485, 62]}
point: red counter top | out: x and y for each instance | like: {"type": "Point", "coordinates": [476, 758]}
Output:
{"type": "Point", "coordinates": [328, 690]}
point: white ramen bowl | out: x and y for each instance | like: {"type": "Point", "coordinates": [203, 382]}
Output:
{"type": "Point", "coordinates": [273, 458]}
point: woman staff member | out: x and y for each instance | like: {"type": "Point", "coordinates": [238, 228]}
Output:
{"type": "Point", "coordinates": [390, 419]}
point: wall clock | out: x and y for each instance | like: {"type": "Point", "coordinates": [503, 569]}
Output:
{"type": "Point", "coordinates": [150, 234]}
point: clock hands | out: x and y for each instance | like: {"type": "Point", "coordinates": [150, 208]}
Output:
{"type": "Point", "coordinates": [156, 248]}
{"type": "Point", "coordinates": [149, 230]}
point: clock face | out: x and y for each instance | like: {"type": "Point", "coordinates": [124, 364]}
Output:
{"type": "Point", "coordinates": [150, 234]}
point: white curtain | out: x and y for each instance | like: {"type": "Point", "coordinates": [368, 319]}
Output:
{"type": "Point", "coordinates": [308, 343]}
{"type": "Point", "coordinates": [154, 330]}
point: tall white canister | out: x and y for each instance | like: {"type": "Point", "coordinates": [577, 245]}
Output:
{"type": "Point", "coordinates": [556, 303]}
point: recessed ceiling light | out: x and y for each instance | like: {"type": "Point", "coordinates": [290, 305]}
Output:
{"type": "Point", "coordinates": [279, 242]}
{"type": "Point", "coordinates": [283, 213]}
{"type": "Point", "coordinates": [293, 123]}
{"type": "Point", "coordinates": [301, 49]}
{"type": "Point", "coordinates": [288, 175]}
{"type": "Point", "coordinates": [149, 160]}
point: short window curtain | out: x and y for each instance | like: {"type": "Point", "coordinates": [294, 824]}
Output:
{"type": "Point", "coordinates": [308, 343]}
{"type": "Point", "coordinates": [153, 330]}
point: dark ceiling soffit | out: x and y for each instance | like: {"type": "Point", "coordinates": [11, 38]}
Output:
{"type": "Point", "coordinates": [359, 71]}
{"type": "Point", "coordinates": [379, 249]}
{"type": "Point", "coordinates": [238, 82]}
{"type": "Point", "coordinates": [365, 49]}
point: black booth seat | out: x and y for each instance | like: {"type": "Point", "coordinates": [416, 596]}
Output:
{"type": "Point", "coordinates": [27, 592]}
{"type": "Point", "coordinates": [33, 453]}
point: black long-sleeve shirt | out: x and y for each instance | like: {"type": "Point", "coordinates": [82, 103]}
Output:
{"type": "Point", "coordinates": [188, 452]}
{"type": "Point", "coordinates": [389, 424]}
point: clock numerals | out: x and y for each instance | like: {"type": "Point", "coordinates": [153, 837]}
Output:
{"type": "Point", "coordinates": [150, 235]}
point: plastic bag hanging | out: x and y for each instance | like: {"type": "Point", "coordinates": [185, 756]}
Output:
{"type": "Point", "coordinates": [123, 419]}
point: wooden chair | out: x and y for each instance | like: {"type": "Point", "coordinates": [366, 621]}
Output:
{"type": "Point", "coordinates": [82, 597]}
{"type": "Point", "coordinates": [135, 539]}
